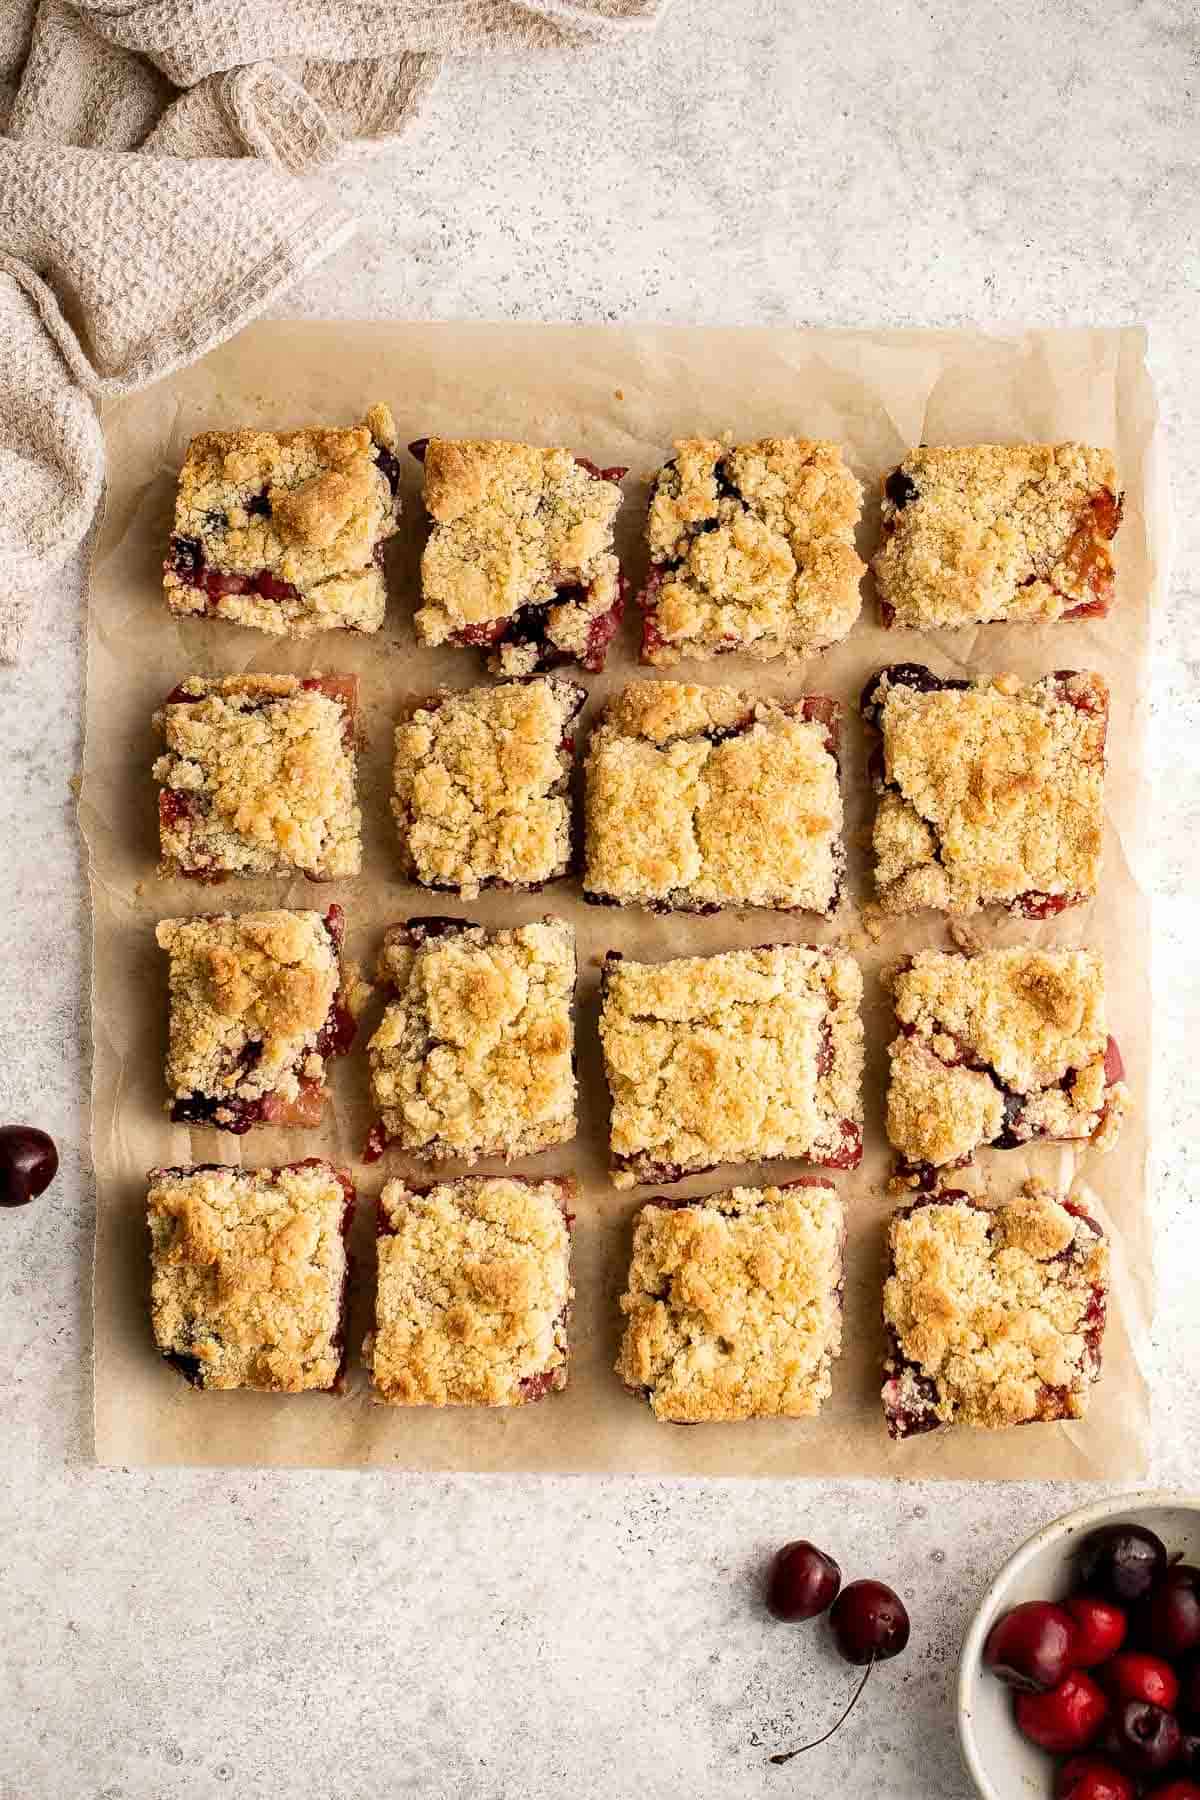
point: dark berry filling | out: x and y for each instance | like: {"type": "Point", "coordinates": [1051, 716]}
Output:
{"type": "Point", "coordinates": [186, 561]}
{"type": "Point", "coordinates": [259, 507]}
{"type": "Point", "coordinates": [910, 675]}
{"type": "Point", "coordinates": [615, 473]}
{"type": "Point", "coordinates": [190, 1367]}
{"type": "Point", "coordinates": [418, 447]}
{"type": "Point", "coordinates": [388, 466]}
{"type": "Point", "coordinates": [529, 625]}
{"type": "Point", "coordinates": [900, 489]}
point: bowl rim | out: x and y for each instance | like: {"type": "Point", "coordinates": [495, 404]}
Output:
{"type": "Point", "coordinates": [1094, 1513]}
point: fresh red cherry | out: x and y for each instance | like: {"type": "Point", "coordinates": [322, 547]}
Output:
{"type": "Point", "coordinates": [1122, 1562]}
{"type": "Point", "coordinates": [1067, 1719]}
{"type": "Point", "coordinates": [1100, 1629]}
{"type": "Point", "coordinates": [28, 1164]}
{"type": "Point", "coordinates": [1147, 1738]}
{"type": "Point", "coordinates": [1032, 1646]}
{"type": "Point", "coordinates": [1172, 1616]}
{"type": "Point", "coordinates": [870, 1622]}
{"type": "Point", "coordinates": [1133, 1676]}
{"type": "Point", "coordinates": [803, 1582]}
{"type": "Point", "coordinates": [1091, 1778]}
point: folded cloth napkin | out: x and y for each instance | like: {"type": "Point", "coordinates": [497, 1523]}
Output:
{"type": "Point", "coordinates": [152, 201]}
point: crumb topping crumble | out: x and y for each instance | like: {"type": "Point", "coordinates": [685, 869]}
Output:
{"type": "Point", "coordinates": [990, 791]}
{"type": "Point", "coordinates": [997, 531]}
{"type": "Point", "coordinates": [258, 777]}
{"type": "Point", "coordinates": [513, 528]}
{"type": "Point", "coordinates": [474, 1292]}
{"type": "Point", "coordinates": [1000, 1047]}
{"type": "Point", "coordinates": [739, 1057]}
{"type": "Point", "coordinates": [473, 1056]}
{"type": "Point", "coordinates": [995, 1316]}
{"type": "Point", "coordinates": [705, 797]}
{"type": "Point", "coordinates": [248, 1270]}
{"type": "Point", "coordinates": [733, 1306]}
{"type": "Point", "coordinates": [480, 786]}
{"type": "Point", "coordinates": [282, 530]}
{"type": "Point", "coordinates": [753, 550]}
{"type": "Point", "coordinates": [249, 999]}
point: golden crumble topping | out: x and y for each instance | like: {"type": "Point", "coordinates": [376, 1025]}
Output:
{"type": "Point", "coordinates": [281, 530]}
{"type": "Point", "coordinates": [701, 797]}
{"type": "Point", "coordinates": [733, 1307]}
{"type": "Point", "coordinates": [741, 1057]}
{"type": "Point", "coordinates": [753, 550]}
{"type": "Point", "coordinates": [474, 1292]}
{"type": "Point", "coordinates": [992, 791]}
{"type": "Point", "coordinates": [995, 1316]}
{"type": "Point", "coordinates": [1007, 1045]}
{"type": "Point", "coordinates": [249, 997]}
{"type": "Point", "coordinates": [997, 531]}
{"type": "Point", "coordinates": [258, 777]}
{"type": "Point", "coordinates": [248, 1271]}
{"type": "Point", "coordinates": [474, 1054]}
{"type": "Point", "coordinates": [480, 784]}
{"type": "Point", "coordinates": [515, 526]}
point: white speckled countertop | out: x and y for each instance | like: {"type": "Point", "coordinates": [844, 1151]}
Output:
{"type": "Point", "coordinates": [343, 1636]}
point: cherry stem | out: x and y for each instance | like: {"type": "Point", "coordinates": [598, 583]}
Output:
{"type": "Point", "coordinates": [787, 1755]}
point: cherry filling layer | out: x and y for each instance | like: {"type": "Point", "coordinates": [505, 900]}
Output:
{"type": "Point", "coordinates": [237, 1115]}
{"type": "Point", "coordinates": [1087, 556]}
{"type": "Point", "coordinates": [531, 625]}
{"type": "Point", "coordinates": [910, 1397]}
{"type": "Point", "coordinates": [1030, 905]}
{"type": "Point", "coordinates": [186, 560]}
{"type": "Point", "coordinates": [1017, 1130]}
{"type": "Point", "coordinates": [191, 1367]}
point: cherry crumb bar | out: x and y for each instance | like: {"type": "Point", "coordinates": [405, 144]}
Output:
{"type": "Point", "coordinates": [474, 1293]}
{"type": "Point", "coordinates": [999, 1049]}
{"type": "Point", "coordinates": [997, 531]}
{"type": "Point", "coordinates": [733, 1308]}
{"type": "Point", "coordinates": [705, 797]}
{"type": "Point", "coordinates": [994, 1316]}
{"type": "Point", "coordinates": [248, 1274]}
{"type": "Point", "coordinates": [519, 562]}
{"type": "Point", "coordinates": [284, 531]}
{"type": "Point", "coordinates": [744, 1057]}
{"type": "Point", "coordinates": [258, 1005]}
{"type": "Point", "coordinates": [990, 791]}
{"type": "Point", "coordinates": [751, 550]}
{"type": "Point", "coordinates": [474, 1055]}
{"type": "Point", "coordinates": [481, 786]}
{"type": "Point", "coordinates": [257, 777]}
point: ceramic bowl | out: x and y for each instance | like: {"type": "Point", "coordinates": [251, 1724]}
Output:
{"type": "Point", "coordinates": [1002, 1764]}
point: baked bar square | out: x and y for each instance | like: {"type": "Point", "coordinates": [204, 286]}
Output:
{"type": "Point", "coordinates": [744, 1057]}
{"type": "Point", "coordinates": [258, 1006]}
{"type": "Point", "coordinates": [481, 786]}
{"type": "Point", "coordinates": [994, 1316]}
{"type": "Point", "coordinates": [703, 797]}
{"type": "Point", "coordinates": [991, 791]}
{"type": "Point", "coordinates": [257, 777]}
{"type": "Point", "coordinates": [519, 560]}
{"type": "Point", "coordinates": [474, 1054]}
{"type": "Point", "coordinates": [474, 1292]}
{"type": "Point", "coordinates": [751, 549]}
{"type": "Point", "coordinates": [997, 531]}
{"type": "Point", "coordinates": [734, 1303]}
{"type": "Point", "coordinates": [284, 530]}
{"type": "Point", "coordinates": [248, 1274]}
{"type": "Point", "coordinates": [1000, 1048]}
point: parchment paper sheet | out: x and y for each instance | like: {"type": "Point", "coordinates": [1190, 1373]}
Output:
{"type": "Point", "coordinates": [617, 395]}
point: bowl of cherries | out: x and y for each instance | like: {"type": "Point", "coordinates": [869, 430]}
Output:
{"type": "Point", "coordinates": [1080, 1674]}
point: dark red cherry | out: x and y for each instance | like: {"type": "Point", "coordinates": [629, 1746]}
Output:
{"type": "Point", "coordinates": [28, 1164]}
{"type": "Point", "coordinates": [1065, 1720]}
{"type": "Point", "coordinates": [869, 1621]}
{"type": "Point", "coordinates": [1091, 1778]}
{"type": "Point", "coordinates": [1189, 1752]}
{"type": "Point", "coordinates": [1134, 1676]}
{"type": "Point", "coordinates": [1100, 1629]}
{"type": "Point", "coordinates": [1179, 1789]}
{"type": "Point", "coordinates": [1032, 1646]}
{"type": "Point", "coordinates": [1146, 1737]}
{"type": "Point", "coordinates": [803, 1582]}
{"type": "Point", "coordinates": [1172, 1614]}
{"type": "Point", "coordinates": [1120, 1561]}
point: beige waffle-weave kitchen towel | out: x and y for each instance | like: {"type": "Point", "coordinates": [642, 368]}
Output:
{"type": "Point", "coordinates": [152, 155]}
